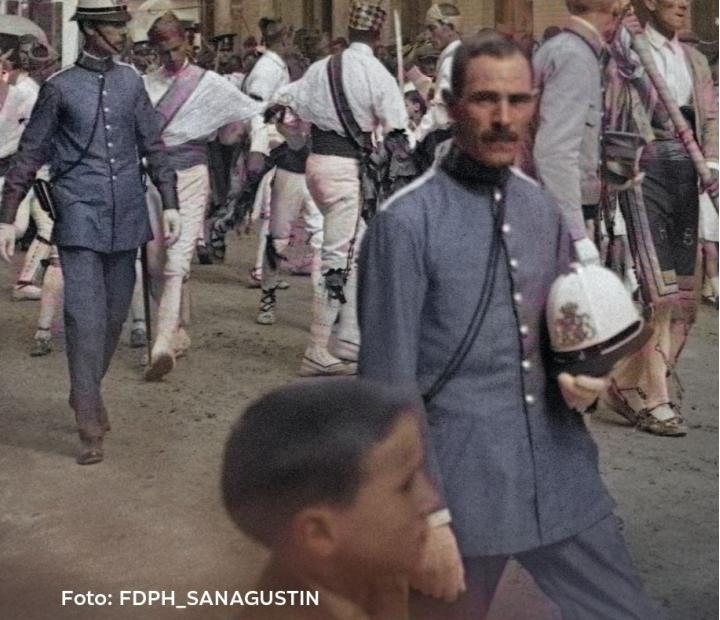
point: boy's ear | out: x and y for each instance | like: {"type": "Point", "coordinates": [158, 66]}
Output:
{"type": "Point", "coordinates": [316, 531]}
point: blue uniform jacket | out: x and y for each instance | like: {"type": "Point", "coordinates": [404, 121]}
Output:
{"type": "Point", "coordinates": [517, 469]}
{"type": "Point", "coordinates": [101, 201]}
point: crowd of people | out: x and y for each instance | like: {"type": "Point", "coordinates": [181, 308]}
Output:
{"type": "Point", "coordinates": [436, 204]}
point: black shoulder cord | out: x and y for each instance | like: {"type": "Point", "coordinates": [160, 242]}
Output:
{"type": "Point", "coordinates": [43, 188]}
{"type": "Point", "coordinates": [478, 317]}
{"type": "Point", "coordinates": [84, 152]}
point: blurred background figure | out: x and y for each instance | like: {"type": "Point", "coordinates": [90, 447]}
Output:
{"type": "Point", "coordinates": [144, 57]}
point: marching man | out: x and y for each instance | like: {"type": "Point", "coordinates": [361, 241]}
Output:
{"type": "Point", "coordinates": [346, 98]}
{"type": "Point", "coordinates": [443, 22]}
{"type": "Point", "coordinates": [662, 211]}
{"type": "Point", "coordinates": [193, 104]}
{"type": "Point", "coordinates": [93, 122]}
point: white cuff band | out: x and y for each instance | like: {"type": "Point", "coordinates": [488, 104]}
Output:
{"type": "Point", "coordinates": [439, 518]}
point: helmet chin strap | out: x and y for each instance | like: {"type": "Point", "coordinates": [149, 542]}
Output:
{"type": "Point", "coordinates": [107, 42]}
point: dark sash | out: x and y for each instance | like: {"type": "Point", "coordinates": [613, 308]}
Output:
{"type": "Point", "coordinates": [178, 93]}
{"type": "Point", "coordinates": [342, 106]}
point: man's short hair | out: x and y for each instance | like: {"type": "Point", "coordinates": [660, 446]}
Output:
{"type": "Point", "coordinates": [487, 44]}
{"type": "Point", "coordinates": [580, 7]}
{"type": "Point", "coordinates": [303, 445]}
{"type": "Point", "coordinates": [166, 26]}
{"type": "Point", "coordinates": [272, 30]}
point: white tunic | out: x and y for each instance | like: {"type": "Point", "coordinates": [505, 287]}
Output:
{"type": "Point", "coordinates": [374, 96]}
{"type": "Point", "coordinates": [15, 112]}
{"type": "Point", "coordinates": [269, 74]}
{"type": "Point", "coordinates": [214, 103]}
{"type": "Point", "coordinates": [670, 60]}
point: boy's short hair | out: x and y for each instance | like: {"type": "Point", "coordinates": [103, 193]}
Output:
{"type": "Point", "coordinates": [303, 445]}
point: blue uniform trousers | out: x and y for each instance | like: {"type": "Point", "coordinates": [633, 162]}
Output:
{"type": "Point", "coordinates": [589, 577]}
{"type": "Point", "coordinates": [98, 291]}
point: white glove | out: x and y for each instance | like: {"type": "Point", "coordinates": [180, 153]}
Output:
{"type": "Point", "coordinates": [7, 241]}
{"type": "Point", "coordinates": [171, 226]}
{"type": "Point", "coordinates": [586, 252]}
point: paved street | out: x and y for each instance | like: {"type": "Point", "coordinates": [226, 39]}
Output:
{"type": "Point", "coordinates": [149, 517]}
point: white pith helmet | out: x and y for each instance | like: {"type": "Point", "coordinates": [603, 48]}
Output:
{"type": "Point", "coordinates": [592, 320]}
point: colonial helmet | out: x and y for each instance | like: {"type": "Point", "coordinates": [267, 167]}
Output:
{"type": "Point", "coordinates": [367, 15]}
{"type": "Point", "coordinates": [102, 10]}
{"type": "Point", "coordinates": [592, 321]}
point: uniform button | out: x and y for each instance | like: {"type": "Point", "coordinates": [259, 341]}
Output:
{"type": "Point", "coordinates": [114, 178]}
{"type": "Point", "coordinates": [506, 228]}
{"type": "Point", "coordinates": [526, 365]}
{"type": "Point", "coordinates": [518, 298]}
{"type": "Point", "coordinates": [112, 160]}
{"type": "Point", "coordinates": [514, 263]}
{"type": "Point", "coordinates": [529, 399]}
{"type": "Point", "coordinates": [524, 330]}
{"type": "Point", "coordinates": [498, 195]}
{"type": "Point", "coordinates": [107, 127]}
{"type": "Point", "coordinates": [110, 145]}
{"type": "Point", "coordinates": [106, 109]}
{"type": "Point", "coordinates": [105, 92]}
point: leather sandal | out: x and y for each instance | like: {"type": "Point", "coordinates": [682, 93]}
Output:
{"type": "Point", "coordinates": [672, 427]}
{"type": "Point", "coordinates": [615, 400]}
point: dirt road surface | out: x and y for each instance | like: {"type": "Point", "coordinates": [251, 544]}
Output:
{"type": "Point", "coordinates": [149, 517]}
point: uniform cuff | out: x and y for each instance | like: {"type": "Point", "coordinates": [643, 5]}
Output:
{"type": "Point", "coordinates": [439, 518]}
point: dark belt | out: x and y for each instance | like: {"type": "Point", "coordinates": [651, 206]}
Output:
{"type": "Point", "coordinates": [332, 143]}
{"type": "Point", "coordinates": [5, 165]}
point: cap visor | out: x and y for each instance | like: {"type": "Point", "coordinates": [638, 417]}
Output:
{"type": "Point", "coordinates": [602, 364]}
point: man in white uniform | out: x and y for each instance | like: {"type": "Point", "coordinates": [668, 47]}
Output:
{"type": "Point", "coordinates": [193, 104]}
{"type": "Point", "coordinates": [333, 172]}
{"type": "Point", "coordinates": [443, 22]}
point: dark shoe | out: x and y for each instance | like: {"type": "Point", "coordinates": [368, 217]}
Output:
{"type": "Point", "coordinates": [41, 347]}
{"type": "Point", "coordinates": [204, 254]}
{"type": "Point", "coordinates": [161, 363]}
{"type": "Point", "coordinates": [91, 452]}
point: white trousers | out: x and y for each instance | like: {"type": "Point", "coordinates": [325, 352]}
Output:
{"type": "Point", "coordinates": [193, 187]}
{"type": "Point", "coordinates": [335, 186]}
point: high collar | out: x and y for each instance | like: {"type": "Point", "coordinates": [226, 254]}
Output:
{"type": "Point", "coordinates": [584, 29]}
{"type": "Point", "coordinates": [95, 63]}
{"type": "Point", "coordinates": [471, 173]}
{"type": "Point", "coordinates": [658, 40]}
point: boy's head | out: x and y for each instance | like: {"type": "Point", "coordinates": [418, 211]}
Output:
{"type": "Point", "coordinates": [332, 472]}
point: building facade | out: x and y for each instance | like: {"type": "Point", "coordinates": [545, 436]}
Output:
{"type": "Point", "coordinates": [512, 17]}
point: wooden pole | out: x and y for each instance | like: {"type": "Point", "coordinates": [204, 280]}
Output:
{"type": "Point", "coordinates": [641, 45]}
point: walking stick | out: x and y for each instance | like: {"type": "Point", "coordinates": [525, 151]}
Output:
{"type": "Point", "coordinates": [642, 47]}
{"type": "Point", "coordinates": [146, 300]}
{"type": "Point", "coordinates": [398, 50]}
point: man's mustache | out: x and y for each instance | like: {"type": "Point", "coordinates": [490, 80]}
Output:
{"type": "Point", "coordinates": [500, 135]}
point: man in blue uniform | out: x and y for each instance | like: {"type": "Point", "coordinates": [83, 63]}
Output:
{"type": "Point", "coordinates": [93, 123]}
{"type": "Point", "coordinates": [509, 449]}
